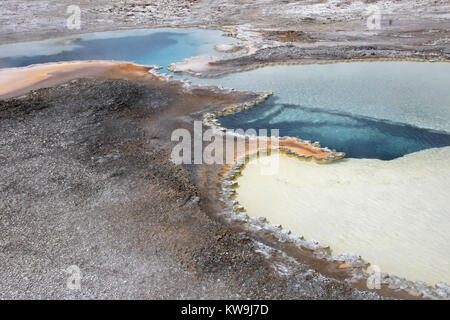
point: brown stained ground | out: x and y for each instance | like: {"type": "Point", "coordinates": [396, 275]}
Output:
{"type": "Point", "coordinates": [285, 36]}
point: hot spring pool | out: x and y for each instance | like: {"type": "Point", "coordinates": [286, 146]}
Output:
{"type": "Point", "coordinates": [379, 110]}
{"type": "Point", "coordinates": [413, 93]}
{"type": "Point", "coordinates": [143, 46]}
{"type": "Point", "coordinates": [388, 200]}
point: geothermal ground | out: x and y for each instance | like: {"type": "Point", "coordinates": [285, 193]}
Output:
{"type": "Point", "coordinates": [85, 176]}
{"type": "Point", "coordinates": [86, 180]}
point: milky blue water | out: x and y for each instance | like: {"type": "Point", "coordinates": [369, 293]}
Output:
{"type": "Point", "coordinates": [380, 110]}
{"type": "Point", "coordinates": [150, 47]}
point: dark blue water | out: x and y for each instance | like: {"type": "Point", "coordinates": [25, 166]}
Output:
{"type": "Point", "coordinates": [312, 100]}
{"type": "Point", "coordinates": [358, 137]}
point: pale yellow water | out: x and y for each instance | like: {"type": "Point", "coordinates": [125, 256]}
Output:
{"type": "Point", "coordinates": [395, 214]}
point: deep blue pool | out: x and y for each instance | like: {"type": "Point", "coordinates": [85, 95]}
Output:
{"type": "Point", "coordinates": [358, 137]}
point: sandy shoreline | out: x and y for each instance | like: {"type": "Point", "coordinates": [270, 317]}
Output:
{"type": "Point", "coordinates": [369, 204]}
{"type": "Point", "coordinates": [17, 81]}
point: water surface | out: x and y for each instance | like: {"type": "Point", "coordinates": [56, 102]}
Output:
{"type": "Point", "coordinates": [413, 93]}
{"type": "Point", "coordinates": [143, 46]}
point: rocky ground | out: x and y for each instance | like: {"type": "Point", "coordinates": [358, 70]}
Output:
{"type": "Point", "coordinates": [280, 31]}
{"type": "Point", "coordinates": [325, 22]}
